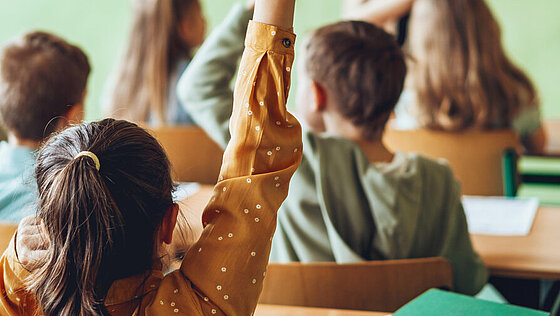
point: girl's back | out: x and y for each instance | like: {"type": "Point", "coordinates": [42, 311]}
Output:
{"type": "Point", "coordinates": [106, 208]}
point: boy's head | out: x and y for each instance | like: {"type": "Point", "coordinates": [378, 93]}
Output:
{"type": "Point", "coordinates": [353, 70]}
{"type": "Point", "coordinates": [42, 85]}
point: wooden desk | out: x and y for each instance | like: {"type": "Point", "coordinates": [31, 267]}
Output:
{"type": "Point", "coordinates": [278, 310]}
{"type": "Point", "coordinates": [535, 256]}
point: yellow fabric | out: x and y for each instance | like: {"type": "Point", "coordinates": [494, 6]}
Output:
{"type": "Point", "coordinates": [222, 273]}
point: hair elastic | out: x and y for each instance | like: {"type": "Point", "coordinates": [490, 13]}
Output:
{"type": "Point", "coordinates": [90, 155]}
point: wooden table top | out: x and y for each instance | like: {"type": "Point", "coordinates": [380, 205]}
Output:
{"type": "Point", "coordinates": [278, 310]}
{"type": "Point", "coordinates": [536, 255]}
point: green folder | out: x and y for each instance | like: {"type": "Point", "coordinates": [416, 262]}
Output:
{"type": "Point", "coordinates": [437, 302]}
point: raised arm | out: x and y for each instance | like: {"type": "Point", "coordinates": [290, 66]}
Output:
{"type": "Point", "coordinates": [379, 12]}
{"type": "Point", "coordinates": [227, 265]}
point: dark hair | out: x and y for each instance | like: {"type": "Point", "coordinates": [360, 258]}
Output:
{"type": "Point", "coordinates": [363, 69]}
{"type": "Point", "coordinates": [41, 77]}
{"type": "Point", "coordinates": [102, 224]}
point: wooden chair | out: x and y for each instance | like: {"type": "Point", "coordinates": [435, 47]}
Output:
{"type": "Point", "coordinates": [194, 156]}
{"type": "Point", "coordinates": [6, 232]}
{"type": "Point", "coordinates": [374, 286]}
{"type": "Point", "coordinates": [474, 156]}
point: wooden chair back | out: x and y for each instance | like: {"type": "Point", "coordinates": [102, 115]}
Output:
{"type": "Point", "coordinates": [7, 230]}
{"type": "Point", "coordinates": [194, 156]}
{"type": "Point", "coordinates": [474, 156]}
{"type": "Point", "coordinates": [375, 286]}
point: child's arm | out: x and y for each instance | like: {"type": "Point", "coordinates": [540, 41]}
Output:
{"type": "Point", "coordinates": [469, 272]}
{"type": "Point", "coordinates": [227, 265]}
{"type": "Point", "coordinates": [379, 12]}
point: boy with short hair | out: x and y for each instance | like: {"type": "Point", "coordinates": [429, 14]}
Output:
{"type": "Point", "coordinates": [42, 88]}
{"type": "Point", "coordinates": [351, 198]}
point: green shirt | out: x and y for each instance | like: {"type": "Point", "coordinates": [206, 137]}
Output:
{"type": "Point", "coordinates": [341, 207]}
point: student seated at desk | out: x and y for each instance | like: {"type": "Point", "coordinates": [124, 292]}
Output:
{"type": "Point", "coordinates": [162, 40]}
{"type": "Point", "coordinates": [42, 88]}
{"type": "Point", "coordinates": [460, 76]}
{"type": "Point", "coordinates": [106, 207]}
{"type": "Point", "coordinates": [351, 199]}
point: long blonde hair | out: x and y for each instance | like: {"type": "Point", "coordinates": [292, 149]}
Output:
{"type": "Point", "coordinates": [139, 87]}
{"type": "Point", "coordinates": [460, 72]}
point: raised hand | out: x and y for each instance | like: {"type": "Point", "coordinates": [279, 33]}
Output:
{"type": "Point", "coordinates": [251, 5]}
{"type": "Point", "coordinates": [275, 12]}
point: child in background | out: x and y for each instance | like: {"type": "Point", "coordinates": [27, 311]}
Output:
{"type": "Point", "coordinates": [160, 46]}
{"type": "Point", "coordinates": [351, 199]}
{"type": "Point", "coordinates": [42, 88]}
{"type": "Point", "coordinates": [106, 207]}
{"type": "Point", "coordinates": [460, 76]}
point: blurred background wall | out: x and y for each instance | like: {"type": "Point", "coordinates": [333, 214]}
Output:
{"type": "Point", "coordinates": [531, 34]}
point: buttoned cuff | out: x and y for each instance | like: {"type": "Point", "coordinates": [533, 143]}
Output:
{"type": "Point", "coordinates": [265, 37]}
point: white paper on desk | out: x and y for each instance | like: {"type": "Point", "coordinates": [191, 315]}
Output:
{"type": "Point", "coordinates": [500, 216]}
{"type": "Point", "coordinates": [184, 190]}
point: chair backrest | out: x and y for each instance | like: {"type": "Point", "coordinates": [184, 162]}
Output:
{"type": "Point", "coordinates": [194, 156]}
{"type": "Point", "coordinates": [6, 233]}
{"type": "Point", "coordinates": [474, 156]}
{"type": "Point", "coordinates": [375, 286]}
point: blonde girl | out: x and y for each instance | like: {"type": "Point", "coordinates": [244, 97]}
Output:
{"type": "Point", "coordinates": [460, 76]}
{"type": "Point", "coordinates": [160, 45]}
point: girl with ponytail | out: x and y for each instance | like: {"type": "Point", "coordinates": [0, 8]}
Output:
{"type": "Point", "coordinates": [106, 211]}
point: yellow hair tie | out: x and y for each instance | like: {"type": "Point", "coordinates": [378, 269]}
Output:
{"type": "Point", "coordinates": [90, 155]}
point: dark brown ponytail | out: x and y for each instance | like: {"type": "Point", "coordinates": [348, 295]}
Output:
{"type": "Point", "coordinates": [102, 224]}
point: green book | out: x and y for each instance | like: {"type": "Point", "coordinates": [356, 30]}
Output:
{"type": "Point", "coordinates": [437, 302]}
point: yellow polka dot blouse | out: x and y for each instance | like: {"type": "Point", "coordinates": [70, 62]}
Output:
{"type": "Point", "coordinates": [222, 273]}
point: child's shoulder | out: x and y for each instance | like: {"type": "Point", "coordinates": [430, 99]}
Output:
{"type": "Point", "coordinates": [430, 166]}
{"type": "Point", "coordinates": [435, 173]}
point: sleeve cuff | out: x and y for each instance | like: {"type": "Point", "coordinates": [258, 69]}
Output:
{"type": "Point", "coordinates": [265, 37]}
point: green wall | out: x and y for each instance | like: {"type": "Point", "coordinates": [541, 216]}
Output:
{"type": "Point", "coordinates": [532, 33]}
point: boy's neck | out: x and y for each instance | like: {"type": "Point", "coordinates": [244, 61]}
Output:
{"type": "Point", "coordinates": [375, 149]}
{"type": "Point", "coordinates": [15, 141]}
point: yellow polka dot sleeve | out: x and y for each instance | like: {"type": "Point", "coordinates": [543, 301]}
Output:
{"type": "Point", "coordinates": [226, 267]}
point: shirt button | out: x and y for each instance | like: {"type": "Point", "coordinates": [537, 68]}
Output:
{"type": "Point", "coordinates": [286, 42]}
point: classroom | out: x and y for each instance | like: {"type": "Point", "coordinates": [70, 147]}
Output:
{"type": "Point", "coordinates": [279, 157]}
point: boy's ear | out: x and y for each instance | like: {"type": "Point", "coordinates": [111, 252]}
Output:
{"type": "Point", "coordinates": [168, 224]}
{"type": "Point", "coordinates": [75, 114]}
{"type": "Point", "coordinates": [319, 95]}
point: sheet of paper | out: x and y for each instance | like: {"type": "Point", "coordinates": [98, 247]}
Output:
{"type": "Point", "coordinates": [184, 190]}
{"type": "Point", "coordinates": [500, 216]}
